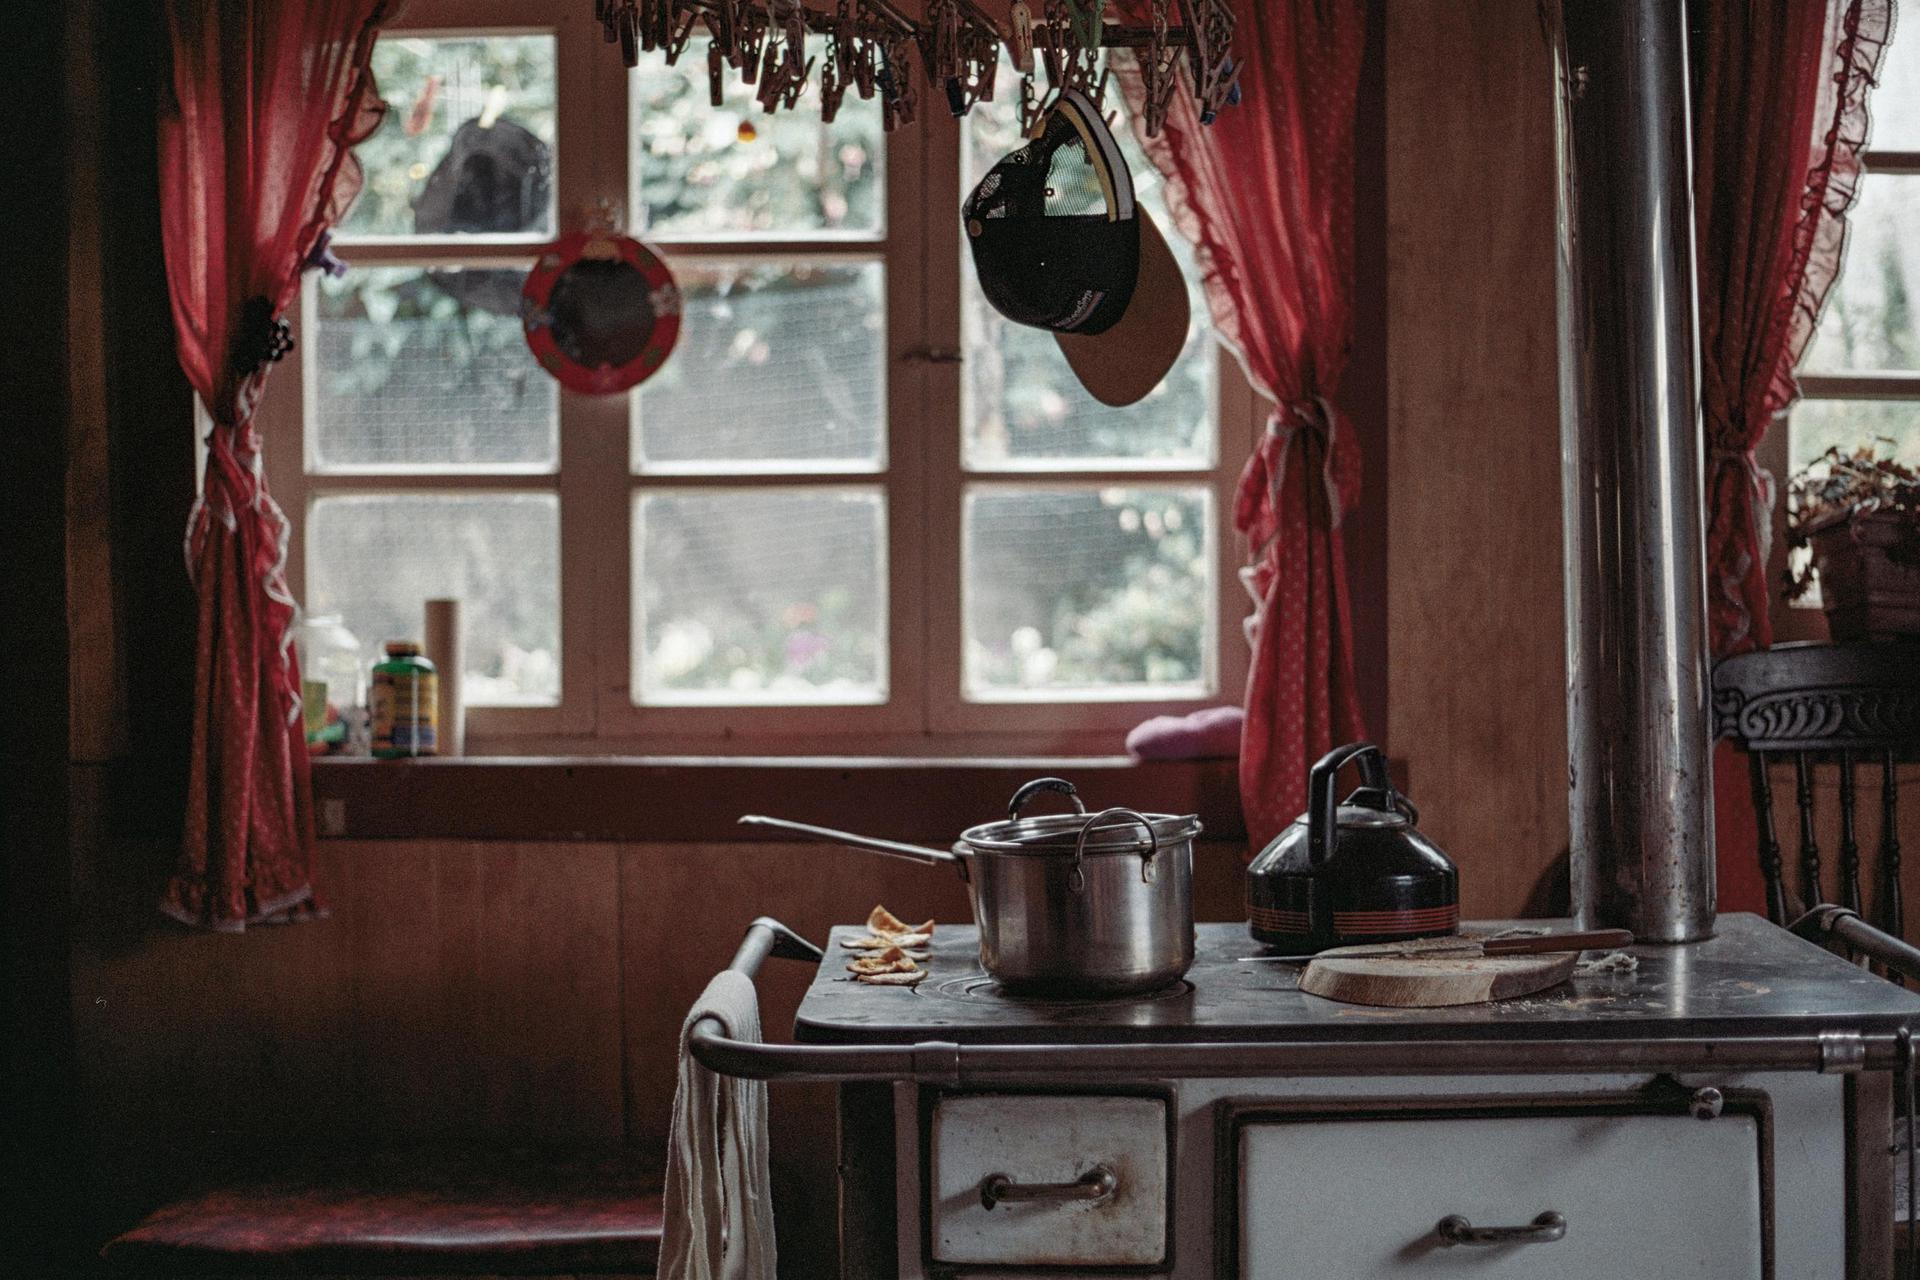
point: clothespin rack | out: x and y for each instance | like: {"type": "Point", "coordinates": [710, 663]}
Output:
{"type": "Point", "coordinates": [870, 43]}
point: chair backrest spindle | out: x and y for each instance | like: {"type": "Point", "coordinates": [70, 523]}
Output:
{"type": "Point", "coordinates": [1810, 891]}
{"type": "Point", "coordinates": [1893, 913]}
{"type": "Point", "coordinates": [1772, 869]}
{"type": "Point", "coordinates": [1849, 842]}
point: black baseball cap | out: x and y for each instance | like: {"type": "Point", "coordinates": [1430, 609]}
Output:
{"type": "Point", "coordinates": [1060, 244]}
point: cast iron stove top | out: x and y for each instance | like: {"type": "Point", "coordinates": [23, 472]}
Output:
{"type": "Point", "coordinates": [1750, 978]}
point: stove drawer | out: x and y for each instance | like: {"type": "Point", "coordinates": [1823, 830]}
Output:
{"type": "Point", "coordinates": [1650, 1196]}
{"type": "Point", "coordinates": [1030, 1180]}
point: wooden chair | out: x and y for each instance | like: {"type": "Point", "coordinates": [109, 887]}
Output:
{"type": "Point", "coordinates": [1849, 704]}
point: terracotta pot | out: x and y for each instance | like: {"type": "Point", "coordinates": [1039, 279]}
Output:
{"type": "Point", "coordinates": [1869, 569]}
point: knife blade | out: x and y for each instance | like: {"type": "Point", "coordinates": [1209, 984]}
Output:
{"type": "Point", "coordinates": [1457, 948]}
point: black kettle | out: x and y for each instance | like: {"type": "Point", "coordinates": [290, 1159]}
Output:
{"type": "Point", "coordinates": [1350, 873]}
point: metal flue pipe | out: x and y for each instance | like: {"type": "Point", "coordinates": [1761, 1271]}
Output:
{"type": "Point", "coordinates": [1639, 751]}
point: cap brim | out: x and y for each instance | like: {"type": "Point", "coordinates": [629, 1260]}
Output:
{"type": "Point", "coordinates": [1122, 364]}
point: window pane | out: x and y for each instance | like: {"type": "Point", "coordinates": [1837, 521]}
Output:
{"type": "Point", "coordinates": [427, 370]}
{"type": "Point", "coordinates": [777, 368]}
{"type": "Point", "coordinates": [701, 171]}
{"type": "Point", "coordinates": [1895, 102]}
{"type": "Point", "coordinates": [1088, 592]}
{"type": "Point", "coordinates": [1869, 322]}
{"type": "Point", "coordinates": [376, 559]}
{"type": "Point", "coordinates": [1023, 406]}
{"type": "Point", "coordinates": [771, 597]}
{"type": "Point", "coordinates": [1891, 427]}
{"type": "Point", "coordinates": [467, 143]}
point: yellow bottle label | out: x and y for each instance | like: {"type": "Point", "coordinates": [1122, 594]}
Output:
{"type": "Point", "coordinates": [313, 706]}
{"type": "Point", "coordinates": [403, 706]}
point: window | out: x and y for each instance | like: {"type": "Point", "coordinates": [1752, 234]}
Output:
{"type": "Point", "coordinates": [1860, 377]}
{"type": "Point", "coordinates": [857, 510]}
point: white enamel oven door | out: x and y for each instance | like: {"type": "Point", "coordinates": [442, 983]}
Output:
{"type": "Point", "coordinates": [1645, 1195]}
{"type": "Point", "coordinates": [1086, 1178]}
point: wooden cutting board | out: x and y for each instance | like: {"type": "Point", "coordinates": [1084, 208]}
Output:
{"type": "Point", "coordinates": [1415, 983]}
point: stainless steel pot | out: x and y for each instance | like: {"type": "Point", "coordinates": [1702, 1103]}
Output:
{"type": "Point", "coordinates": [1067, 904]}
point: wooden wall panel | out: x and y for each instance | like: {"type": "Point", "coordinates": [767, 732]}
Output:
{"type": "Point", "coordinates": [457, 992]}
{"type": "Point", "coordinates": [1476, 663]}
{"type": "Point", "coordinates": [463, 991]}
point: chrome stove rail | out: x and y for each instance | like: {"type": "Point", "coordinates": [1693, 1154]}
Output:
{"type": "Point", "coordinates": [953, 1065]}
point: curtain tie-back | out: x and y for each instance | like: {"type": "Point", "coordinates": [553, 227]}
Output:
{"type": "Point", "coordinates": [1759, 480]}
{"type": "Point", "coordinates": [260, 339]}
{"type": "Point", "coordinates": [1731, 559]}
{"type": "Point", "coordinates": [1314, 423]}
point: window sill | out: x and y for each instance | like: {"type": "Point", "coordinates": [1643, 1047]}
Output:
{"type": "Point", "coordinates": [697, 799]}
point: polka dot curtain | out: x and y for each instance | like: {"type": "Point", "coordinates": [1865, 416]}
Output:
{"type": "Point", "coordinates": [1265, 194]}
{"type": "Point", "coordinates": [265, 101]}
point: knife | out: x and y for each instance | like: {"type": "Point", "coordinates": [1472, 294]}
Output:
{"type": "Point", "coordinates": [1457, 948]}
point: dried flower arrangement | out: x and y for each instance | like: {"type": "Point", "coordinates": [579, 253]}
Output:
{"type": "Point", "coordinates": [1839, 485]}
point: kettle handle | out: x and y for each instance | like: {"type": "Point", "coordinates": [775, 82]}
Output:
{"type": "Point", "coordinates": [1323, 807]}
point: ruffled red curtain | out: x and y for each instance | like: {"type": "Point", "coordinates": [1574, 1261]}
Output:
{"type": "Point", "coordinates": [266, 101]}
{"type": "Point", "coordinates": [1779, 118]}
{"type": "Point", "coordinates": [1265, 193]}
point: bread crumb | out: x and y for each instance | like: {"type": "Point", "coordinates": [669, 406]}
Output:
{"type": "Point", "coordinates": [1611, 962]}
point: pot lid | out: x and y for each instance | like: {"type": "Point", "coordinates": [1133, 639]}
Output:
{"type": "Point", "coordinates": [1116, 830]}
{"type": "Point", "coordinates": [1059, 833]}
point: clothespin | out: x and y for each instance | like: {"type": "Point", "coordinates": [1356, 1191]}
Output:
{"type": "Point", "coordinates": [1020, 41]}
{"type": "Point", "coordinates": [1087, 18]}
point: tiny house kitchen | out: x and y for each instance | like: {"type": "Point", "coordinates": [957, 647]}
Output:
{"type": "Point", "coordinates": [965, 638]}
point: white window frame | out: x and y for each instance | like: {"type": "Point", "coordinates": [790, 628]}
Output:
{"type": "Point", "coordinates": [926, 712]}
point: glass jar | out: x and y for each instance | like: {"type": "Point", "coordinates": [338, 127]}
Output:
{"type": "Point", "coordinates": [330, 681]}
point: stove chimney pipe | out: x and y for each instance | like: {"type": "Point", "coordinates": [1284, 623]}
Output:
{"type": "Point", "coordinates": [1639, 767]}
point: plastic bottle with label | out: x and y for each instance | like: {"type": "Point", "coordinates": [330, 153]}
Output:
{"type": "Point", "coordinates": [403, 702]}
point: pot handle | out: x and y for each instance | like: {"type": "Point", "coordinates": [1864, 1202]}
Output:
{"type": "Point", "coordinates": [828, 835]}
{"type": "Point", "coordinates": [1323, 807]}
{"type": "Point", "coordinates": [1034, 788]}
{"type": "Point", "coordinates": [1077, 878]}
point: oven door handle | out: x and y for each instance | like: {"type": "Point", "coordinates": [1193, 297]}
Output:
{"type": "Point", "coordinates": [1096, 1183]}
{"type": "Point", "coordinates": [1545, 1229]}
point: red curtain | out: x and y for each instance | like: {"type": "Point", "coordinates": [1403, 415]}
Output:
{"type": "Point", "coordinates": [267, 99]}
{"type": "Point", "coordinates": [1779, 117]}
{"type": "Point", "coordinates": [1265, 193]}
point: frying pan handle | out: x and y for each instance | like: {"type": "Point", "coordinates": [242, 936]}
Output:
{"type": "Point", "coordinates": [1034, 788]}
{"type": "Point", "coordinates": [1323, 806]}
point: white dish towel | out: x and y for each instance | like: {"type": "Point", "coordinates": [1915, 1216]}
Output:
{"type": "Point", "coordinates": [719, 1195]}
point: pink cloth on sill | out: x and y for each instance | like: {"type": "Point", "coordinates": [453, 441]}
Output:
{"type": "Point", "coordinates": [1212, 733]}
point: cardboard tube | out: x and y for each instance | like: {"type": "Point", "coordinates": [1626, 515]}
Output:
{"type": "Point", "coordinates": [445, 651]}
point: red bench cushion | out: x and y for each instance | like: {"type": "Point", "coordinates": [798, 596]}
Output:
{"type": "Point", "coordinates": [394, 1215]}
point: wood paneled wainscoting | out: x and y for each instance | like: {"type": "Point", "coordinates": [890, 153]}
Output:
{"type": "Point", "coordinates": [501, 992]}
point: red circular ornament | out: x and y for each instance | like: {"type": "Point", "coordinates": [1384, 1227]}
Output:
{"type": "Point", "coordinates": [601, 311]}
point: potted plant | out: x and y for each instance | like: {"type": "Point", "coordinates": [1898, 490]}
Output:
{"type": "Point", "coordinates": [1859, 513]}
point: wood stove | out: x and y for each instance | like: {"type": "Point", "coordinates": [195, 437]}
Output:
{"type": "Point", "coordinates": [1723, 1110]}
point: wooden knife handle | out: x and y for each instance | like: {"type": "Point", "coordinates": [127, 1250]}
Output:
{"type": "Point", "coordinates": [1592, 940]}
